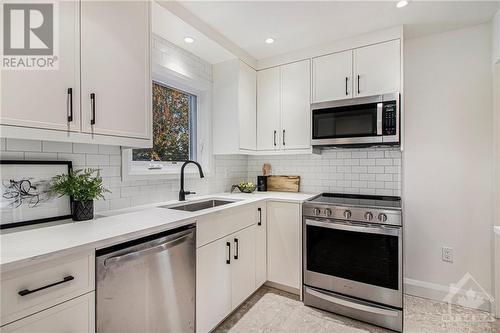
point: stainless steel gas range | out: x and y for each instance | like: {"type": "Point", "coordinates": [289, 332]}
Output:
{"type": "Point", "coordinates": [353, 256]}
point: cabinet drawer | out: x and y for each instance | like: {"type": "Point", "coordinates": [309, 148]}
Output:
{"type": "Point", "coordinates": [75, 316]}
{"type": "Point", "coordinates": [217, 225]}
{"type": "Point", "coordinates": [40, 286]}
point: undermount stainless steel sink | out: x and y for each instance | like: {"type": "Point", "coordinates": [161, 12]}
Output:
{"type": "Point", "coordinates": [200, 205]}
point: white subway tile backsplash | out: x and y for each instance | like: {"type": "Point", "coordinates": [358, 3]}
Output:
{"type": "Point", "coordinates": [40, 156]}
{"type": "Point", "coordinates": [85, 148]}
{"type": "Point", "coordinates": [57, 147]}
{"type": "Point", "coordinates": [12, 155]}
{"type": "Point", "coordinates": [109, 150]}
{"type": "Point", "coordinates": [76, 159]}
{"type": "Point", "coordinates": [95, 159]}
{"type": "Point", "coordinates": [23, 145]}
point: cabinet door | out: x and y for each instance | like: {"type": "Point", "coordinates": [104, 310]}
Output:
{"type": "Point", "coordinates": [296, 105]}
{"type": "Point", "coordinates": [283, 244]}
{"type": "Point", "coordinates": [243, 265]}
{"type": "Point", "coordinates": [261, 246]}
{"type": "Point", "coordinates": [247, 106]}
{"type": "Point", "coordinates": [40, 98]}
{"type": "Point", "coordinates": [332, 77]}
{"type": "Point", "coordinates": [76, 316]}
{"type": "Point", "coordinates": [115, 58]}
{"type": "Point", "coordinates": [377, 69]}
{"type": "Point", "coordinates": [268, 109]}
{"type": "Point", "coordinates": [213, 284]}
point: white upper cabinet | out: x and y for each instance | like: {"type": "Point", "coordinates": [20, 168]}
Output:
{"type": "Point", "coordinates": [377, 69]}
{"type": "Point", "coordinates": [283, 107]}
{"type": "Point", "coordinates": [268, 109]}
{"type": "Point", "coordinates": [365, 71]}
{"type": "Point", "coordinates": [115, 64]}
{"type": "Point", "coordinates": [332, 77]}
{"type": "Point", "coordinates": [104, 50]}
{"type": "Point", "coordinates": [234, 111]}
{"type": "Point", "coordinates": [42, 98]}
{"type": "Point", "coordinates": [295, 105]}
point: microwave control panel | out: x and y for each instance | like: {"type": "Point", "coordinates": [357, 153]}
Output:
{"type": "Point", "coordinates": [389, 118]}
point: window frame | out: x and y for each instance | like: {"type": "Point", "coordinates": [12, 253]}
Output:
{"type": "Point", "coordinates": [193, 122]}
{"type": "Point", "coordinates": [170, 170]}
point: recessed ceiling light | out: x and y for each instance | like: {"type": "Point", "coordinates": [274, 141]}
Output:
{"type": "Point", "coordinates": [402, 3]}
{"type": "Point", "coordinates": [269, 40]}
{"type": "Point", "coordinates": [189, 40]}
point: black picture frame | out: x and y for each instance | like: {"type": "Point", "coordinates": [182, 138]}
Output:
{"type": "Point", "coordinates": [41, 220]}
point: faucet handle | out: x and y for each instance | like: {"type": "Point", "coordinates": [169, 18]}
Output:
{"type": "Point", "coordinates": [189, 192]}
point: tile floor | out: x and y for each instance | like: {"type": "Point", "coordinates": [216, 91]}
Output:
{"type": "Point", "coordinates": [271, 310]}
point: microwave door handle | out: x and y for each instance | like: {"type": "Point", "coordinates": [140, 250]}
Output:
{"type": "Point", "coordinates": [379, 118]}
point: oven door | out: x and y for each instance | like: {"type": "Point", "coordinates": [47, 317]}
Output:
{"type": "Point", "coordinates": [354, 259]}
{"type": "Point", "coordinates": [348, 122]}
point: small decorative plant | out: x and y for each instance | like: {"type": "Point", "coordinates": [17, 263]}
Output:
{"type": "Point", "coordinates": [83, 186]}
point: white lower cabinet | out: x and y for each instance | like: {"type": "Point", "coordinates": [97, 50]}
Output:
{"type": "Point", "coordinates": [261, 246]}
{"type": "Point", "coordinates": [284, 248]}
{"type": "Point", "coordinates": [213, 284]}
{"type": "Point", "coordinates": [75, 316]}
{"type": "Point", "coordinates": [231, 267]}
{"type": "Point", "coordinates": [242, 266]}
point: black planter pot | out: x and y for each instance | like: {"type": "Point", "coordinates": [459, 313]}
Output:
{"type": "Point", "coordinates": [82, 210]}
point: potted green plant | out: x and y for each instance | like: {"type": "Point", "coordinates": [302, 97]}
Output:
{"type": "Point", "coordinates": [82, 186]}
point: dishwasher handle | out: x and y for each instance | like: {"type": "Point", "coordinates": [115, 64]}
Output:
{"type": "Point", "coordinates": [150, 250]}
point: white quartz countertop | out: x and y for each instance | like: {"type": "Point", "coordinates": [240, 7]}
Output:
{"type": "Point", "coordinates": [497, 230]}
{"type": "Point", "coordinates": [24, 247]}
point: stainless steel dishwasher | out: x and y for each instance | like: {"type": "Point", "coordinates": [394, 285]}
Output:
{"type": "Point", "coordinates": [148, 285]}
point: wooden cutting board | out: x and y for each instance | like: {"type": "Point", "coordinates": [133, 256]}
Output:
{"type": "Point", "coordinates": [283, 183]}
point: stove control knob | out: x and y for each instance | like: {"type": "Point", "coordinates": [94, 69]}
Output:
{"type": "Point", "coordinates": [368, 216]}
{"type": "Point", "coordinates": [316, 211]}
{"type": "Point", "coordinates": [328, 212]}
{"type": "Point", "coordinates": [347, 214]}
{"type": "Point", "coordinates": [382, 217]}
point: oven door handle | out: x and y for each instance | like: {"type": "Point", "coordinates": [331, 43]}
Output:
{"type": "Point", "coordinates": [357, 306]}
{"type": "Point", "coordinates": [381, 230]}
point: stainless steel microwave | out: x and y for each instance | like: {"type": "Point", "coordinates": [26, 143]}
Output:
{"type": "Point", "coordinates": [363, 121]}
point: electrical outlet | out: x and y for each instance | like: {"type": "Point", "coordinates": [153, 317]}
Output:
{"type": "Point", "coordinates": [447, 254]}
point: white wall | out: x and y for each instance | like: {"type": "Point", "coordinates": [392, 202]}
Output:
{"type": "Point", "coordinates": [496, 37]}
{"type": "Point", "coordinates": [448, 159]}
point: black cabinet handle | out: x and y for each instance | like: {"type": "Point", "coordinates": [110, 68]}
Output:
{"type": "Point", "coordinates": [70, 95]}
{"type": "Point", "coordinates": [346, 92]}
{"type": "Point", "coordinates": [359, 91]}
{"type": "Point", "coordinates": [92, 99]}
{"type": "Point", "coordinates": [260, 216]}
{"type": "Point", "coordinates": [283, 137]}
{"type": "Point", "coordinates": [237, 248]}
{"type": "Point", "coordinates": [275, 138]}
{"type": "Point", "coordinates": [25, 292]}
{"type": "Point", "coordinates": [228, 260]}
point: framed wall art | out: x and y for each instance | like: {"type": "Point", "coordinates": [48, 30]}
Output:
{"type": "Point", "coordinates": [25, 197]}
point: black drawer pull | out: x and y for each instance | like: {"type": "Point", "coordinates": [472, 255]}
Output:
{"type": "Point", "coordinates": [260, 216]}
{"type": "Point", "coordinates": [346, 79]}
{"type": "Point", "coordinates": [70, 95]}
{"type": "Point", "coordinates": [237, 250]}
{"type": "Point", "coordinates": [92, 100]}
{"type": "Point", "coordinates": [228, 260]}
{"type": "Point", "coordinates": [25, 292]}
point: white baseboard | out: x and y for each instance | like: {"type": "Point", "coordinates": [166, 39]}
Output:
{"type": "Point", "coordinates": [437, 292]}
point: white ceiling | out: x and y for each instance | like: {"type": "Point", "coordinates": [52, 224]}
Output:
{"type": "Point", "coordinates": [301, 24]}
{"type": "Point", "coordinates": [172, 28]}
